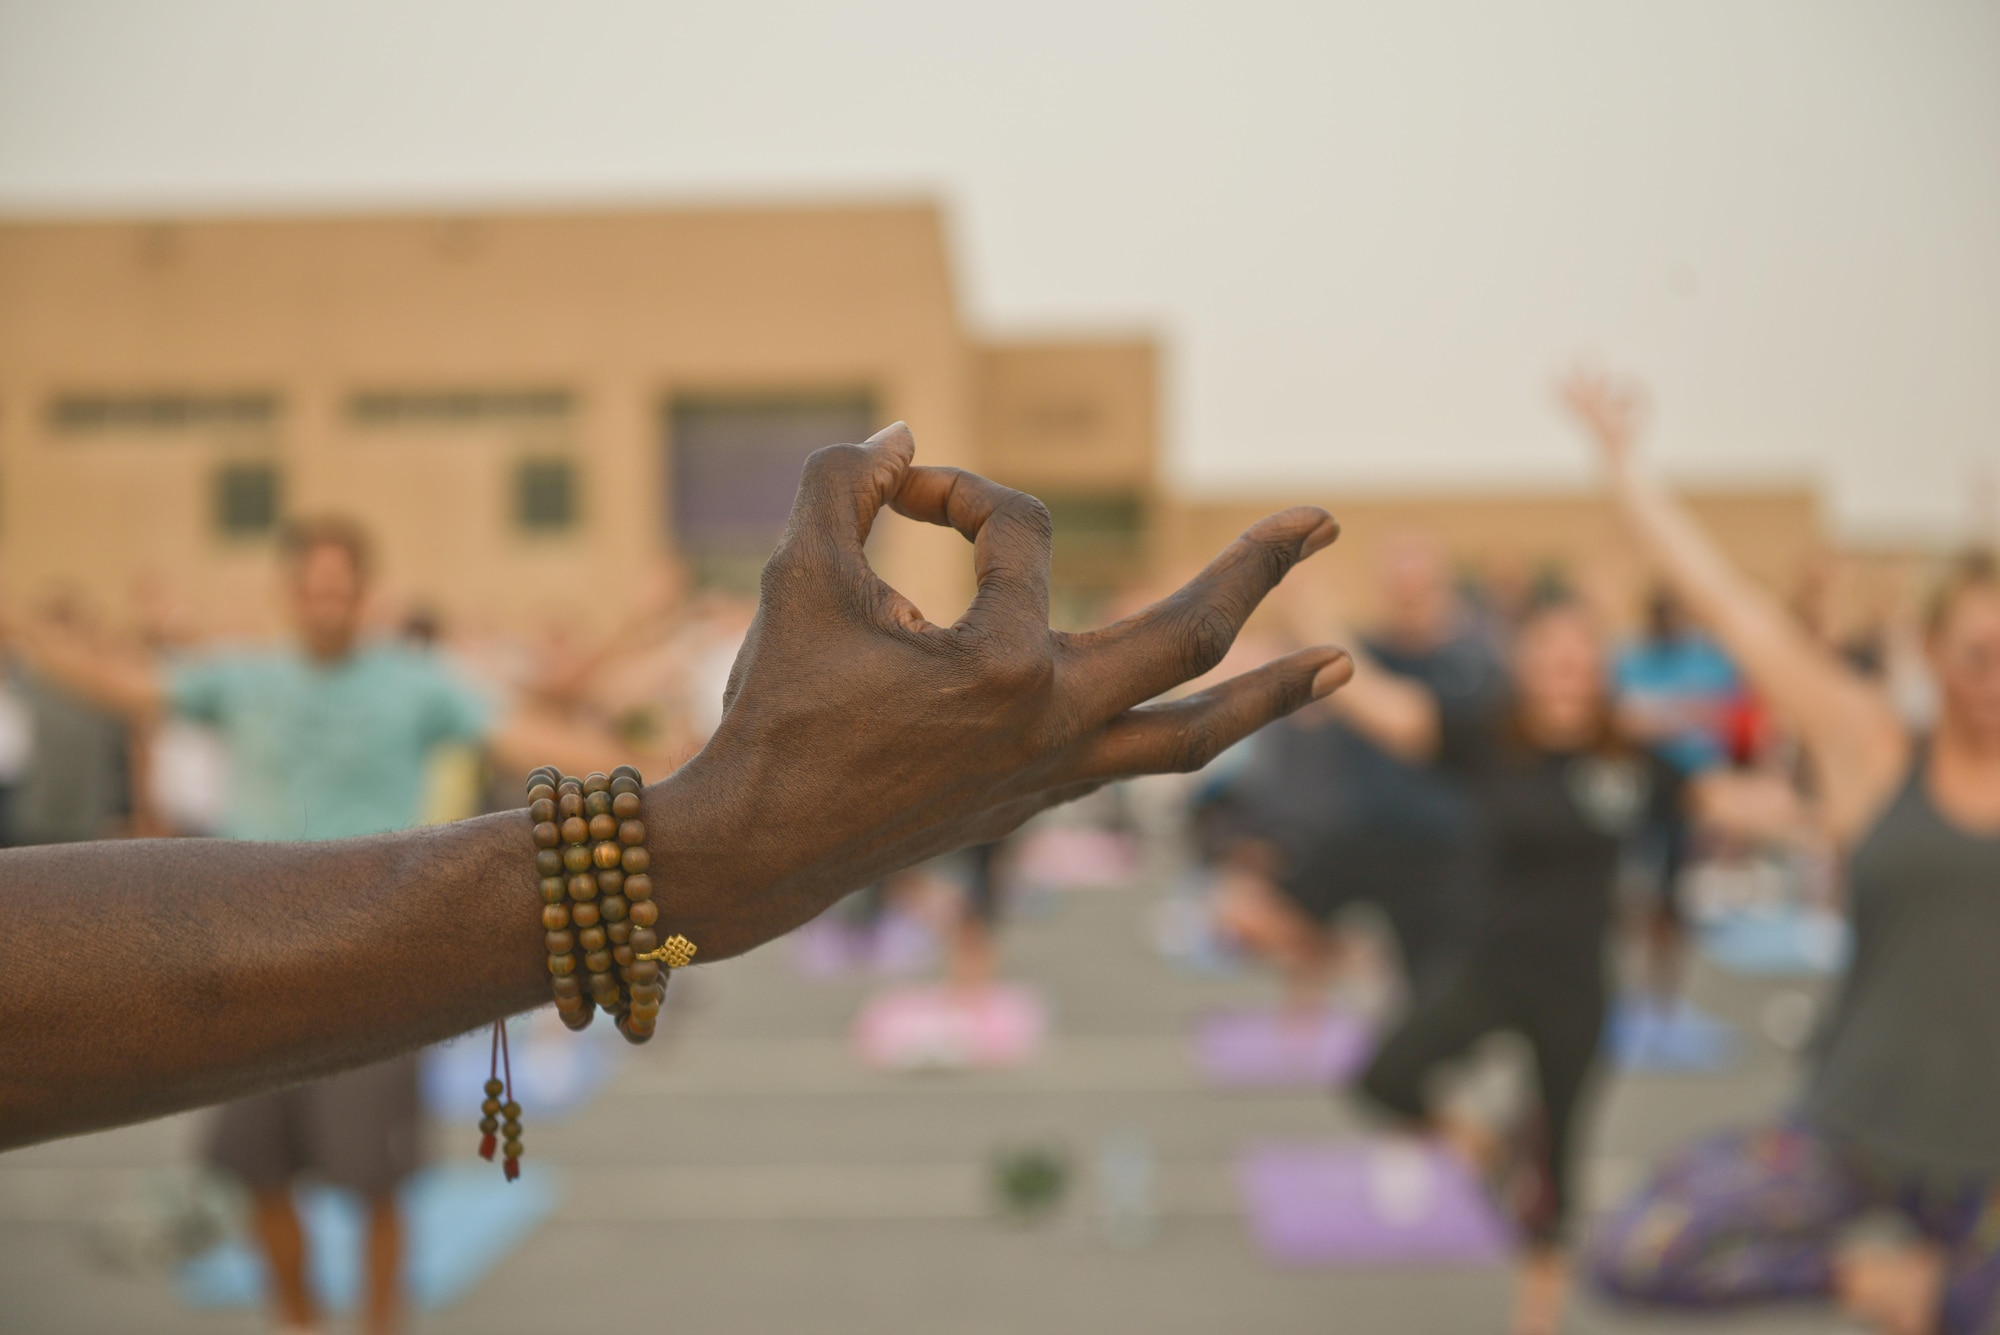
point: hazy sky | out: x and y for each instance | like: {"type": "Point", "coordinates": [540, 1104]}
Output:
{"type": "Point", "coordinates": [1367, 233]}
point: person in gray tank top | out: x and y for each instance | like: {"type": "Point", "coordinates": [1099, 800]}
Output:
{"type": "Point", "coordinates": [1901, 1108]}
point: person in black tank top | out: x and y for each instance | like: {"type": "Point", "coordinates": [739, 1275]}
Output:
{"type": "Point", "coordinates": [1558, 794]}
{"type": "Point", "coordinates": [1901, 1107]}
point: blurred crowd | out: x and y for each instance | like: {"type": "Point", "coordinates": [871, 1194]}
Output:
{"type": "Point", "coordinates": [77, 764]}
{"type": "Point", "coordinates": [1523, 790]}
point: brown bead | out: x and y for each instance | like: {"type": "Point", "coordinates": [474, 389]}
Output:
{"type": "Point", "coordinates": [569, 804]}
{"type": "Point", "coordinates": [632, 832]}
{"type": "Point", "coordinates": [548, 861]}
{"type": "Point", "coordinates": [575, 830]}
{"type": "Point", "coordinates": [635, 1030]}
{"type": "Point", "coordinates": [541, 792]}
{"type": "Point", "coordinates": [596, 781]}
{"type": "Point", "coordinates": [513, 1148]}
{"type": "Point", "coordinates": [644, 941]}
{"type": "Point", "coordinates": [547, 835]}
{"type": "Point", "coordinates": [603, 827]}
{"type": "Point", "coordinates": [635, 860]}
{"type": "Point", "coordinates": [621, 955]}
{"type": "Point", "coordinates": [578, 1020]}
{"type": "Point", "coordinates": [598, 961]}
{"type": "Point", "coordinates": [554, 889]}
{"type": "Point", "coordinates": [638, 887]}
{"type": "Point", "coordinates": [562, 966]}
{"type": "Point", "coordinates": [625, 974]}
{"type": "Point", "coordinates": [512, 1112]}
{"type": "Point", "coordinates": [542, 812]}
{"type": "Point", "coordinates": [555, 917]}
{"type": "Point", "coordinates": [490, 1106]}
{"type": "Point", "coordinates": [610, 880]}
{"type": "Point", "coordinates": [591, 938]}
{"type": "Point", "coordinates": [619, 932]}
{"type": "Point", "coordinates": [597, 804]}
{"type": "Point", "coordinates": [613, 907]}
{"type": "Point", "coordinates": [604, 989]}
{"type": "Point", "coordinates": [493, 1088]}
{"type": "Point", "coordinates": [606, 854]}
{"type": "Point", "coordinates": [569, 783]}
{"type": "Point", "coordinates": [645, 971]}
{"type": "Point", "coordinates": [584, 914]}
{"type": "Point", "coordinates": [577, 857]}
{"type": "Point", "coordinates": [566, 989]}
{"type": "Point", "coordinates": [623, 787]}
{"type": "Point", "coordinates": [625, 772]}
{"type": "Point", "coordinates": [559, 943]}
{"type": "Point", "coordinates": [626, 806]}
{"type": "Point", "coordinates": [489, 1125]}
{"type": "Point", "coordinates": [583, 887]}
{"type": "Point", "coordinates": [644, 913]}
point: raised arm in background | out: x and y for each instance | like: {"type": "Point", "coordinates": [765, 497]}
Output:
{"type": "Point", "coordinates": [1858, 747]}
{"type": "Point", "coordinates": [144, 976]}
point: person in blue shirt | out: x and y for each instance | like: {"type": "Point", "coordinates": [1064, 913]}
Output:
{"type": "Point", "coordinates": [1675, 689]}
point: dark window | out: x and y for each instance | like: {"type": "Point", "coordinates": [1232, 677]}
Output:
{"type": "Point", "coordinates": [734, 465]}
{"type": "Point", "coordinates": [246, 499]}
{"type": "Point", "coordinates": [1101, 525]}
{"type": "Point", "coordinates": [545, 494]}
{"type": "Point", "coordinates": [458, 406]}
{"type": "Point", "coordinates": [81, 414]}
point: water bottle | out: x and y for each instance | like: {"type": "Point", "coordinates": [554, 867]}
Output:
{"type": "Point", "coordinates": [1125, 1189]}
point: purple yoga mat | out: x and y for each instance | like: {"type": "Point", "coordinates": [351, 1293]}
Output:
{"type": "Point", "coordinates": [1367, 1203]}
{"type": "Point", "coordinates": [1268, 1049]}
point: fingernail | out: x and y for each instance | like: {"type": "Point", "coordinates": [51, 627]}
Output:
{"type": "Point", "coordinates": [1320, 538]}
{"type": "Point", "coordinates": [1333, 676]}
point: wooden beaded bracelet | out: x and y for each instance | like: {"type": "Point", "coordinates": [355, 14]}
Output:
{"type": "Point", "coordinates": [597, 899]}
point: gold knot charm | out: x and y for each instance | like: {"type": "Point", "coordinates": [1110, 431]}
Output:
{"type": "Point", "coordinates": [676, 952]}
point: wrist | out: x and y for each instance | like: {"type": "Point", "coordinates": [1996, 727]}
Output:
{"type": "Point", "coordinates": [713, 862]}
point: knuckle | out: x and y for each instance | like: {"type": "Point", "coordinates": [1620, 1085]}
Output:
{"type": "Point", "coordinates": [1194, 745]}
{"type": "Point", "coordinates": [1019, 669]}
{"type": "Point", "coordinates": [1033, 516]}
{"type": "Point", "coordinates": [1206, 632]}
{"type": "Point", "coordinates": [834, 460]}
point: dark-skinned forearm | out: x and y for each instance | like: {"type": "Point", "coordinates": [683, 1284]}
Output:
{"type": "Point", "coordinates": [146, 976]}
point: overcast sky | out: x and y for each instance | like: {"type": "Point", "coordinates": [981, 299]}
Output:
{"type": "Point", "coordinates": [1366, 232]}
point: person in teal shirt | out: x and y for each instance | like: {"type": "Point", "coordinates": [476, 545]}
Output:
{"type": "Point", "coordinates": [328, 737]}
{"type": "Point", "coordinates": [323, 749]}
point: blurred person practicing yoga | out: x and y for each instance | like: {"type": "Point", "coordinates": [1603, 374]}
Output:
{"type": "Point", "coordinates": [328, 738]}
{"type": "Point", "coordinates": [1900, 1115]}
{"type": "Point", "coordinates": [1335, 819]}
{"type": "Point", "coordinates": [1557, 791]}
{"type": "Point", "coordinates": [857, 738]}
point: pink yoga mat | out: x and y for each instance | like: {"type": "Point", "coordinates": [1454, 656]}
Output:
{"type": "Point", "coordinates": [944, 1028]}
{"type": "Point", "coordinates": [1367, 1203]}
{"type": "Point", "coordinates": [1274, 1049]}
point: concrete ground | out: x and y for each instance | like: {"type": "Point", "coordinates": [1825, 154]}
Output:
{"type": "Point", "coordinates": [779, 1187]}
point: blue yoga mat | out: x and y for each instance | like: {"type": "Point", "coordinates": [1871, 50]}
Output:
{"type": "Point", "coordinates": [1787, 944]}
{"type": "Point", "coordinates": [460, 1221]}
{"type": "Point", "coordinates": [1650, 1035]}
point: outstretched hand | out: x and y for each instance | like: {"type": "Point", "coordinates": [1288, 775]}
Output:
{"type": "Point", "coordinates": [858, 737]}
{"type": "Point", "coordinates": [1613, 411]}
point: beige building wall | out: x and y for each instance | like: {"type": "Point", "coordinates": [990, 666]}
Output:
{"type": "Point", "coordinates": [604, 319]}
{"type": "Point", "coordinates": [622, 311]}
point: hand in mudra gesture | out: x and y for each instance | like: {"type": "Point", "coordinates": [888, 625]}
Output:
{"type": "Point", "coordinates": [859, 737]}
